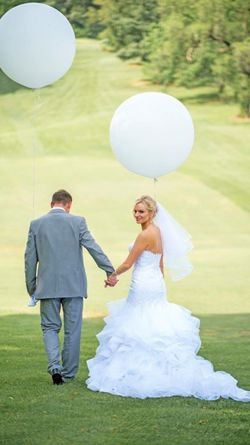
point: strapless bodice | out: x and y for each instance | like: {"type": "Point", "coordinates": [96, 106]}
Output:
{"type": "Point", "coordinates": [147, 283]}
{"type": "Point", "coordinates": [147, 259]}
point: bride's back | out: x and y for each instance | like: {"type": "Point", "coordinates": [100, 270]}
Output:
{"type": "Point", "coordinates": [153, 236]}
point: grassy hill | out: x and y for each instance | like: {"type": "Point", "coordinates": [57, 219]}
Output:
{"type": "Point", "coordinates": [58, 137]}
{"type": "Point", "coordinates": [72, 117]}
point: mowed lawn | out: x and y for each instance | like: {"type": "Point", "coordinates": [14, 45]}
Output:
{"type": "Point", "coordinates": [33, 412]}
{"type": "Point", "coordinates": [58, 137]}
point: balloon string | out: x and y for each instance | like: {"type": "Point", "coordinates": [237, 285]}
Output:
{"type": "Point", "coordinates": [37, 104]}
{"type": "Point", "coordinates": [155, 182]}
{"type": "Point", "coordinates": [33, 179]}
{"type": "Point", "coordinates": [38, 101]}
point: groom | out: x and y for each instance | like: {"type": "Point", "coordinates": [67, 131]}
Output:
{"type": "Point", "coordinates": [55, 244]}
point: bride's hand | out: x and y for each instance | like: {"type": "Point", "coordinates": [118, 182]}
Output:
{"type": "Point", "coordinates": [111, 280]}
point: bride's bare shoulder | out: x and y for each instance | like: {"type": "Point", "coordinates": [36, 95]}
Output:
{"type": "Point", "coordinates": [150, 233]}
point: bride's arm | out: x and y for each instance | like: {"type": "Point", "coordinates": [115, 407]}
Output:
{"type": "Point", "coordinates": [162, 265]}
{"type": "Point", "coordinates": [141, 244]}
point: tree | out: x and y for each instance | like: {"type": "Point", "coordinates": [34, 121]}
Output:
{"type": "Point", "coordinates": [202, 43]}
{"type": "Point", "coordinates": [82, 14]}
{"type": "Point", "coordinates": [127, 23]}
{"type": "Point", "coordinates": [242, 82]}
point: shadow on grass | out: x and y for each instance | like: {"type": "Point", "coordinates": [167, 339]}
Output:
{"type": "Point", "coordinates": [201, 98]}
{"type": "Point", "coordinates": [35, 412]}
{"type": "Point", "coordinates": [7, 85]}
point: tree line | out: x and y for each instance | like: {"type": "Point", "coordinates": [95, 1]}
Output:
{"type": "Point", "coordinates": [185, 42]}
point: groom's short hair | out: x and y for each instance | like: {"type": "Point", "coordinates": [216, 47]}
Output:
{"type": "Point", "coordinates": [61, 196]}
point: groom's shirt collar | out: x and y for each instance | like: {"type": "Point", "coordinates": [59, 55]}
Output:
{"type": "Point", "coordinates": [58, 208]}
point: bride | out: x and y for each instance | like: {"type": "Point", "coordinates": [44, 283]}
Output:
{"type": "Point", "coordinates": [149, 346]}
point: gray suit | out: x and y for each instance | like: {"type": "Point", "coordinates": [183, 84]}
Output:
{"type": "Point", "coordinates": [55, 244]}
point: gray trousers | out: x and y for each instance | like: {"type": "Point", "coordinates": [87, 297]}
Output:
{"type": "Point", "coordinates": [51, 324]}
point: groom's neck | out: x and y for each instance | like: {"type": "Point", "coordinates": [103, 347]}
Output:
{"type": "Point", "coordinates": [61, 205]}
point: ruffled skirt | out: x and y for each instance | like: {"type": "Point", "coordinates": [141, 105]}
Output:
{"type": "Point", "coordinates": [150, 350]}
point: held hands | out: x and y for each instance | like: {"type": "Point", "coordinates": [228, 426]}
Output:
{"type": "Point", "coordinates": [111, 280]}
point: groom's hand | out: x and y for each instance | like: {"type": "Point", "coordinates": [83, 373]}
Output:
{"type": "Point", "coordinates": [111, 280]}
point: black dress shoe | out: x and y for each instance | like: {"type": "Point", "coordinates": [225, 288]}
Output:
{"type": "Point", "coordinates": [56, 377]}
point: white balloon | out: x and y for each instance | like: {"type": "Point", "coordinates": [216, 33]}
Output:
{"type": "Point", "coordinates": [37, 44]}
{"type": "Point", "coordinates": [151, 134]}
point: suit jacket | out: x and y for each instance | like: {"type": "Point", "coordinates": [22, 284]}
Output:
{"type": "Point", "coordinates": [55, 244]}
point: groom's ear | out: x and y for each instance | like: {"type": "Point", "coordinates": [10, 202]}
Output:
{"type": "Point", "coordinates": [68, 206]}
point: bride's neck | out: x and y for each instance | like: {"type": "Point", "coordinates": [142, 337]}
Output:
{"type": "Point", "coordinates": [145, 225]}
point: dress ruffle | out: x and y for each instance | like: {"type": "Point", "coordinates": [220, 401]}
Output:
{"type": "Point", "coordinates": [150, 350]}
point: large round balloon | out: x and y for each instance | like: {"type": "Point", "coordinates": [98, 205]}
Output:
{"type": "Point", "coordinates": [37, 44]}
{"type": "Point", "coordinates": [151, 134]}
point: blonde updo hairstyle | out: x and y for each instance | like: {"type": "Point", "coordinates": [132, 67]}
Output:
{"type": "Point", "coordinates": [149, 203]}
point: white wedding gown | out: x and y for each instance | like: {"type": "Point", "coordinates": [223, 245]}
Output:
{"type": "Point", "coordinates": [149, 346]}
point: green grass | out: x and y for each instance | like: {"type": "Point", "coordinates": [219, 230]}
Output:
{"type": "Point", "coordinates": [66, 127]}
{"type": "Point", "coordinates": [72, 117]}
{"type": "Point", "coordinates": [34, 412]}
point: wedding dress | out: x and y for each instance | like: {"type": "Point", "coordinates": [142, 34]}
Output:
{"type": "Point", "coordinates": [149, 346]}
